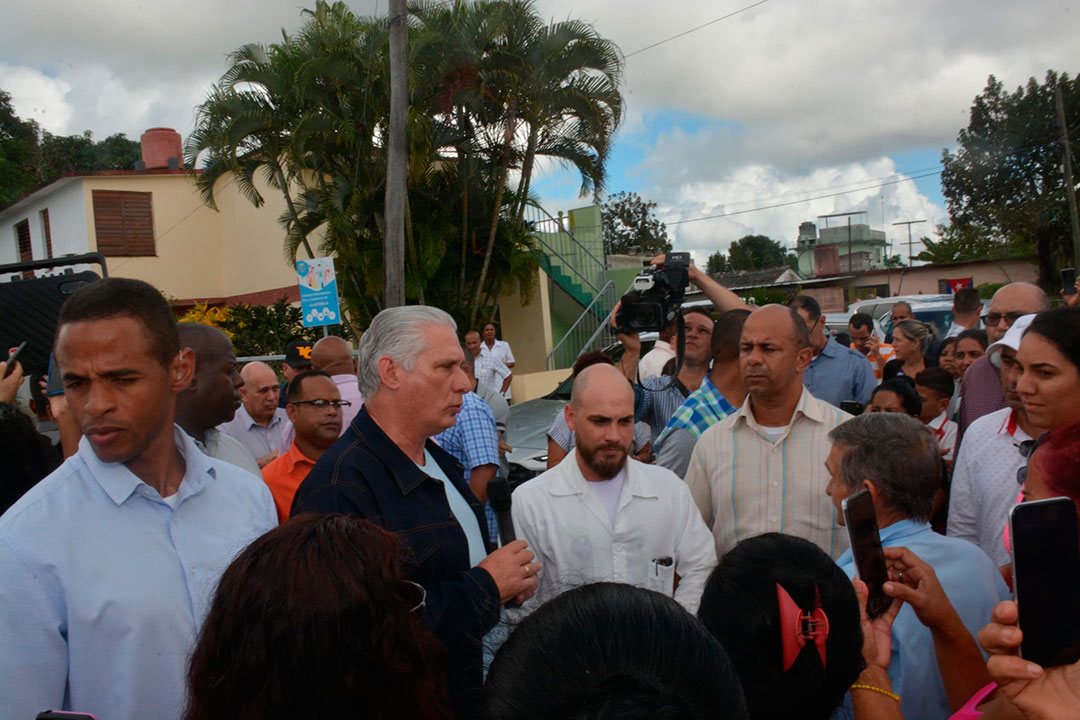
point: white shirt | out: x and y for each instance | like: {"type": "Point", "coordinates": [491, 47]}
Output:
{"type": "Point", "coordinates": [956, 328]}
{"type": "Point", "coordinates": [944, 431]}
{"type": "Point", "coordinates": [984, 485]}
{"type": "Point", "coordinates": [501, 350]}
{"type": "Point", "coordinates": [657, 533]}
{"type": "Point", "coordinates": [653, 362]}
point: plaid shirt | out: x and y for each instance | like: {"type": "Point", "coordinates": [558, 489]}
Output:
{"type": "Point", "coordinates": [474, 442]}
{"type": "Point", "coordinates": [705, 407]}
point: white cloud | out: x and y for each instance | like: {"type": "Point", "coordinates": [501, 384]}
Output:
{"type": "Point", "coordinates": [754, 186]}
{"type": "Point", "coordinates": [36, 96]}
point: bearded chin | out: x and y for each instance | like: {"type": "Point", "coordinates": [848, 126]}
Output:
{"type": "Point", "coordinates": [606, 469]}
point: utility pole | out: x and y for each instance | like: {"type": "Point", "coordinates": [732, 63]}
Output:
{"type": "Point", "coordinates": [910, 242]}
{"type": "Point", "coordinates": [1070, 189]}
{"type": "Point", "coordinates": [397, 160]}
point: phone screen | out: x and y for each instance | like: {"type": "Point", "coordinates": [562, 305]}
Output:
{"type": "Point", "coordinates": [1068, 281]}
{"type": "Point", "coordinates": [861, 522]}
{"type": "Point", "coordinates": [54, 385]}
{"type": "Point", "coordinates": [1046, 579]}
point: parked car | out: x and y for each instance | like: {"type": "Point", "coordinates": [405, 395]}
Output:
{"type": "Point", "coordinates": [837, 324]}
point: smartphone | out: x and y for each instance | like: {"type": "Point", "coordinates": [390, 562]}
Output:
{"type": "Point", "coordinates": [13, 357]}
{"type": "Point", "coordinates": [1046, 579]}
{"type": "Point", "coordinates": [1068, 281]}
{"type": "Point", "coordinates": [64, 715]}
{"type": "Point", "coordinates": [862, 529]}
{"type": "Point", "coordinates": [852, 407]}
{"type": "Point", "coordinates": [54, 385]}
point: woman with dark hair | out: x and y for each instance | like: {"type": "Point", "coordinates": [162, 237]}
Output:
{"type": "Point", "coordinates": [745, 605]}
{"type": "Point", "coordinates": [25, 456]}
{"type": "Point", "coordinates": [896, 396]}
{"type": "Point", "coordinates": [314, 621]}
{"type": "Point", "coordinates": [947, 357]}
{"type": "Point", "coordinates": [1049, 359]}
{"type": "Point", "coordinates": [612, 652]}
{"type": "Point", "coordinates": [970, 346]}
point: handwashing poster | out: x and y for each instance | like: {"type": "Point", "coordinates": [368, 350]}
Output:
{"type": "Point", "coordinates": [318, 292]}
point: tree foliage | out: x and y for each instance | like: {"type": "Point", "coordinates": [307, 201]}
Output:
{"type": "Point", "coordinates": [717, 263]}
{"type": "Point", "coordinates": [756, 252]}
{"type": "Point", "coordinates": [491, 89]}
{"type": "Point", "coordinates": [629, 222]}
{"type": "Point", "coordinates": [30, 156]}
{"type": "Point", "coordinates": [1003, 185]}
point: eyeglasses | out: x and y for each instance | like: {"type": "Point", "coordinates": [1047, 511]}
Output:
{"type": "Point", "coordinates": [417, 590]}
{"type": "Point", "coordinates": [993, 319]}
{"type": "Point", "coordinates": [323, 403]}
{"type": "Point", "coordinates": [1027, 449]}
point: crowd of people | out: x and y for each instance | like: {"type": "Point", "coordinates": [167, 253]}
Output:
{"type": "Point", "coordinates": [183, 538]}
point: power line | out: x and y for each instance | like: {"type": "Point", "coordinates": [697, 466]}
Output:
{"type": "Point", "coordinates": [695, 29]}
{"type": "Point", "coordinates": [805, 200]}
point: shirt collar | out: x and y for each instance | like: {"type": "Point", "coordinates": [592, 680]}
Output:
{"type": "Point", "coordinates": [293, 458]}
{"type": "Point", "coordinates": [119, 483]}
{"type": "Point", "coordinates": [569, 480]}
{"type": "Point", "coordinates": [831, 349]}
{"type": "Point", "coordinates": [903, 529]}
{"type": "Point", "coordinates": [808, 406]}
{"type": "Point", "coordinates": [249, 422]}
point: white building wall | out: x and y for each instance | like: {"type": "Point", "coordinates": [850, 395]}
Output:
{"type": "Point", "coordinates": [67, 223]}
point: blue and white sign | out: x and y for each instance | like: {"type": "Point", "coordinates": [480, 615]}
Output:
{"type": "Point", "coordinates": [318, 292]}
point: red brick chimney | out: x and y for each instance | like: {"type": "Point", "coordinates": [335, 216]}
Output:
{"type": "Point", "coordinates": [161, 149]}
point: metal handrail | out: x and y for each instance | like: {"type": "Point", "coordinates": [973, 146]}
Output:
{"type": "Point", "coordinates": [570, 331]}
{"type": "Point", "coordinates": [600, 262]}
{"type": "Point", "coordinates": [566, 264]}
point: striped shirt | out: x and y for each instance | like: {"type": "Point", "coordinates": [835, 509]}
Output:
{"type": "Point", "coordinates": [747, 481]}
{"type": "Point", "coordinates": [661, 399]}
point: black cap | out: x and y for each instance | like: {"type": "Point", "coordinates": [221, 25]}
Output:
{"type": "Point", "coordinates": [298, 354]}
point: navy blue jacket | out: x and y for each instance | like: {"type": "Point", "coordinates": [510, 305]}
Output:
{"type": "Point", "coordinates": [364, 473]}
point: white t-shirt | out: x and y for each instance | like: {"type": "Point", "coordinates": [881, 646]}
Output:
{"type": "Point", "coordinates": [653, 362]}
{"type": "Point", "coordinates": [609, 491]}
{"type": "Point", "coordinates": [775, 431]}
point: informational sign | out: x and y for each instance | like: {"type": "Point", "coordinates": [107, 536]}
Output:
{"type": "Point", "coordinates": [318, 292]}
{"type": "Point", "coordinates": [956, 284]}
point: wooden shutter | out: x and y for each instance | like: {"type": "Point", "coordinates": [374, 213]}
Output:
{"type": "Point", "coordinates": [124, 223]}
{"type": "Point", "coordinates": [22, 239]}
{"type": "Point", "coordinates": [47, 231]}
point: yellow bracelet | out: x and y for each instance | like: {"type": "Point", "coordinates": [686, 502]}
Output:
{"type": "Point", "coordinates": [874, 688]}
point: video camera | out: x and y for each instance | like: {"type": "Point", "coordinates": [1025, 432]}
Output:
{"type": "Point", "coordinates": [655, 296]}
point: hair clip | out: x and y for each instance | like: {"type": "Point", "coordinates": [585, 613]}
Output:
{"type": "Point", "coordinates": [797, 626]}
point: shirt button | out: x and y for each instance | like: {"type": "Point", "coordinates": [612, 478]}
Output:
{"type": "Point", "coordinates": [775, 484]}
{"type": "Point", "coordinates": [773, 519]}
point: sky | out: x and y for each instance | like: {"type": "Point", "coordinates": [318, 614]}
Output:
{"type": "Point", "coordinates": [782, 112]}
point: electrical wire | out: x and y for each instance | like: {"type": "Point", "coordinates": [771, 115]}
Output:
{"type": "Point", "coordinates": [695, 29]}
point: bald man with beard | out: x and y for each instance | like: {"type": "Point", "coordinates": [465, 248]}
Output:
{"type": "Point", "coordinates": [599, 515]}
{"type": "Point", "coordinates": [334, 356]}
{"type": "Point", "coordinates": [259, 422]}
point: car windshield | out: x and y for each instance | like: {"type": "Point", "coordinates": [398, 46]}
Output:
{"type": "Point", "coordinates": [940, 319]}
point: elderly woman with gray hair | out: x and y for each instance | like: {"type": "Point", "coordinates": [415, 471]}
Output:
{"type": "Point", "coordinates": [896, 459]}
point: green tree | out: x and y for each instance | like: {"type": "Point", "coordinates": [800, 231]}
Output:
{"type": "Point", "coordinates": [756, 252]}
{"type": "Point", "coordinates": [18, 148]}
{"type": "Point", "coordinates": [630, 222]}
{"type": "Point", "coordinates": [717, 263]}
{"type": "Point", "coordinates": [307, 116]}
{"type": "Point", "coordinates": [1003, 185]}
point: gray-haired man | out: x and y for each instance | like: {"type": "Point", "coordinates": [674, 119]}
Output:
{"type": "Point", "coordinates": [386, 469]}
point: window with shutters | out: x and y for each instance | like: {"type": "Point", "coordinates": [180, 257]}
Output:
{"type": "Point", "coordinates": [124, 223]}
{"type": "Point", "coordinates": [22, 240]}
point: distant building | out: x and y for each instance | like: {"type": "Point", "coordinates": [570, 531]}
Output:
{"type": "Point", "coordinates": [840, 249]}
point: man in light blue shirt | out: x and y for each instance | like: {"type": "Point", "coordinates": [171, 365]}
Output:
{"type": "Point", "coordinates": [837, 374]}
{"type": "Point", "coordinates": [896, 459]}
{"type": "Point", "coordinates": [109, 564]}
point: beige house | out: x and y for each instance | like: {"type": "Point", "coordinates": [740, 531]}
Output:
{"type": "Point", "coordinates": [152, 224]}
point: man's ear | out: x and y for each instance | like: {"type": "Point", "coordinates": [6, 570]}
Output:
{"type": "Point", "coordinates": [568, 413]}
{"type": "Point", "coordinates": [943, 404]}
{"type": "Point", "coordinates": [182, 371]}
{"type": "Point", "coordinates": [290, 410]}
{"type": "Point", "coordinates": [875, 494]}
{"type": "Point", "coordinates": [804, 356]}
{"type": "Point", "coordinates": [390, 372]}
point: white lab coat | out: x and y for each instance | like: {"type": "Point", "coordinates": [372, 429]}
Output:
{"type": "Point", "coordinates": [567, 526]}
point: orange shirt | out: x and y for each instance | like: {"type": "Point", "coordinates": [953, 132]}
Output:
{"type": "Point", "coordinates": [284, 475]}
{"type": "Point", "coordinates": [885, 351]}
